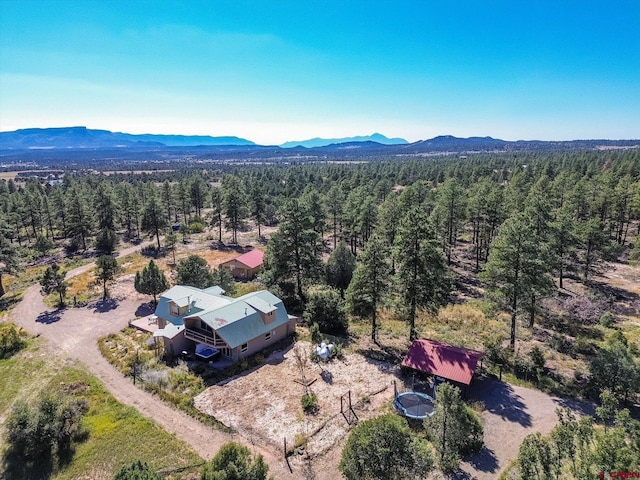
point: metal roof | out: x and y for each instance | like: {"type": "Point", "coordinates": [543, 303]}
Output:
{"type": "Point", "coordinates": [236, 320]}
{"type": "Point", "coordinates": [446, 361]}
{"type": "Point", "coordinates": [251, 259]}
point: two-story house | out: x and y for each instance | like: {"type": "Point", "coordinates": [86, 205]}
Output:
{"type": "Point", "coordinates": [237, 327]}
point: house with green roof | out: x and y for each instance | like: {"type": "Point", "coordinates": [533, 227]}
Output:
{"type": "Point", "coordinates": [237, 327]}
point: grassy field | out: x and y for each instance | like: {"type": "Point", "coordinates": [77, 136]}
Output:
{"type": "Point", "coordinates": [118, 434]}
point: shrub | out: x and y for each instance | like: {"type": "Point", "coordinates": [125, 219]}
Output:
{"type": "Point", "coordinates": [382, 448]}
{"type": "Point", "coordinates": [607, 319]}
{"type": "Point", "coordinates": [234, 462]}
{"type": "Point", "coordinates": [46, 429]}
{"type": "Point", "coordinates": [309, 402]}
{"type": "Point", "coordinates": [316, 336]}
{"type": "Point", "coordinates": [43, 244]}
{"type": "Point", "coordinates": [136, 471]}
{"type": "Point", "coordinates": [196, 227]}
{"type": "Point", "coordinates": [11, 341]}
{"type": "Point", "coordinates": [326, 308]}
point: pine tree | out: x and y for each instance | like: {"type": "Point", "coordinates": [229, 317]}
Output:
{"type": "Point", "coordinates": [449, 214]}
{"type": "Point", "coordinates": [516, 266]}
{"type": "Point", "coordinates": [79, 219]}
{"type": "Point", "coordinates": [453, 428]}
{"type": "Point", "coordinates": [293, 253]}
{"type": "Point", "coordinates": [370, 283]}
{"type": "Point", "coordinates": [105, 210]}
{"type": "Point", "coordinates": [153, 219]}
{"type": "Point", "coordinates": [422, 276]}
{"type": "Point", "coordinates": [235, 204]}
{"type": "Point", "coordinates": [105, 272]}
{"type": "Point", "coordinates": [151, 281]}
{"type": "Point", "coordinates": [9, 259]}
{"type": "Point", "coordinates": [53, 281]}
{"type": "Point", "coordinates": [340, 267]}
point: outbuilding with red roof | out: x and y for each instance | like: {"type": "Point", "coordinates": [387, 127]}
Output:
{"type": "Point", "coordinates": [454, 363]}
{"type": "Point", "coordinates": [247, 265]}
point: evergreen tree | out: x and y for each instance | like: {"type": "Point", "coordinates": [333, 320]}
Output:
{"type": "Point", "coordinates": [593, 240]}
{"type": "Point", "coordinates": [258, 206]}
{"type": "Point", "coordinates": [198, 191]}
{"type": "Point", "coordinates": [293, 254]}
{"type": "Point", "coordinates": [151, 281]}
{"type": "Point", "coordinates": [53, 281]}
{"type": "Point", "coordinates": [153, 219]}
{"type": "Point", "coordinates": [563, 240]}
{"type": "Point", "coordinates": [334, 201]}
{"type": "Point", "coordinates": [217, 210]}
{"type": "Point", "coordinates": [370, 283]}
{"type": "Point", "coordinates": [9, 258]}
{"type": "Point", "coordinates": [340, 267]}
{"type": "Point", "coordinates": [235, 462]}
{"type": "Point", "coordinates": [171, 242]}
{"type": "Point", "coordinates": [516, 267]}
{"type": "Point", "coordinates": [223, 278]}
{"type": "Point", "coordinates": [105, 272]}
{"type": "Point", "coordinates": [235, 204]}
{"type": "Point", "coordinates": [454, 429]}
{"type": "Point", "coordinates": [194, 271]}
{"type": "Point", "coordinates": [384, 448]}
{"type": "Point", "coordinates": [421, 276]}
{"type": "Point", "coordinates": [79, 220]}
{"type": "Point", "coordinates": [449, 214]}
{"type": "Point", "coordinates": [167, 202]}
{"type": "Point", "coordinates": [136, 471]}
{"type": "Point", "coordinates": [105, 211]}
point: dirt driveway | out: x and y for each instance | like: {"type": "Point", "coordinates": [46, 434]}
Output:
{"type": "Point", "coordinates": [510, 414]}
{"type": "Point", "coordinates": [74, 332]}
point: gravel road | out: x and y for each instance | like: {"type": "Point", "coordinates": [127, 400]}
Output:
{"type": "Point", "coordinates": [74, 332]}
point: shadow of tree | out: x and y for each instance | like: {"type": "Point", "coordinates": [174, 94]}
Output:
{"type": "Point", "coordinates": [49, 317]}
{"type": "Point", "coordinates": [484, 461]}
{"type": "Point", "coordinates": [500, 399]}
{"type": "Point", "coordinates": [104, 306]}
{"type": "Point", "coordinates": [16, 468]}
{"type": "Point", "coordinates": [9, 301]}
{"type": "Point", "coordinates": [145, 309]}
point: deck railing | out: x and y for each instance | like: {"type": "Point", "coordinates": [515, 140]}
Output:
{"type": "Point", "coordinates": [207, 339]}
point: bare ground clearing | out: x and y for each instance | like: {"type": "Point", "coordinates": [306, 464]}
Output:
{"type": "Point", "coordinates": [265, 403]}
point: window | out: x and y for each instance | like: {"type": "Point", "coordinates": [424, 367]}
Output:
{"type": "Point", "coordinates": [267, 336]}
{"type": "Point", "coordinates": [244, 347]}
{"type": "Point", "coordinates": [174, 310]}
{"type": "Point", "coordinates": [204, 326]}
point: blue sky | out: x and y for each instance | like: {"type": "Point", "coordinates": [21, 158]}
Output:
{"type": "Point", "coordinates": [274, 71]}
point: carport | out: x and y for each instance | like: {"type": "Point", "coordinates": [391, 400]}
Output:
{"type": "Point", "coordinates": [457, 364]}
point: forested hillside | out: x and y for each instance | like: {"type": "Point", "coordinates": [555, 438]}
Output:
{"type": "Point", "coordinates": [510, 228]}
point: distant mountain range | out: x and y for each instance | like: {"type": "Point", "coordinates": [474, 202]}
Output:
{"type": "Point", "coordinates": [82, 137]}
{"type": "Point", "coordinates": [323, 142]}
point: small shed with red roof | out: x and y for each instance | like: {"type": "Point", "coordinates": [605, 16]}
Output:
{"type": "Point", "coordinates": [447, 361]}
{"type": "Point", "coordinates": [246, 266]}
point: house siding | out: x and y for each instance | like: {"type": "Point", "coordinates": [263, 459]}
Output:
{"type": "Point", "coordinates": [259, 343]}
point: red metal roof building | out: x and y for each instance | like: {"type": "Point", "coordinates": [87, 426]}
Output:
{"type": "Point", "coordinates": [246, 265]}
{"type": "Point", "coordinates": [444, 360]}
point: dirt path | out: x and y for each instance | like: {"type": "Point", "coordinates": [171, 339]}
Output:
{"type": "Point", "coordinates": [511, 413]}
{"type": "Point", "coordinates": [74, 332]}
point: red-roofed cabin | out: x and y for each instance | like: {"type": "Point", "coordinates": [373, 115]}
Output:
{"type": "Point", "coordinates": [246, 266]}
{"type": "Point", "coordinates": [457, 364]}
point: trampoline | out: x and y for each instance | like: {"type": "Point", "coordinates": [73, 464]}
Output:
{"type": "Point", "coordinates": [414, 405]}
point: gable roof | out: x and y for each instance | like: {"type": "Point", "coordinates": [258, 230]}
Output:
{"type": "Point", "coordinates": [197, 300]}
{"type": "Point", "coordinates": [251, 259]}
{"type": "Point", "coordinates": [446, 361]}
{"type": "Point", "coordinates": [236, 320]}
